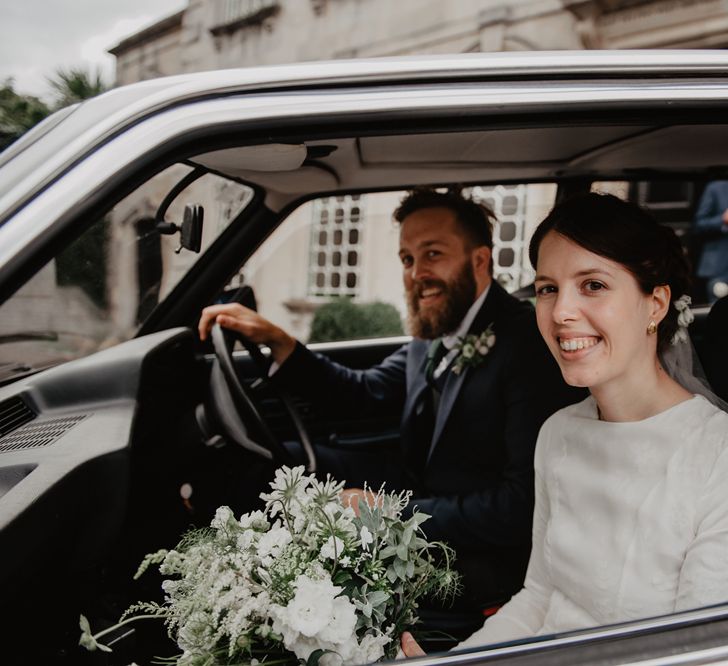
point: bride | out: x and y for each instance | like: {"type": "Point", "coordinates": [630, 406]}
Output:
{"type": "Point", "coordinates": [631, 516]}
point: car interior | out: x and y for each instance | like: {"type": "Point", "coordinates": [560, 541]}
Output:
{"type": "Point", "coordinates": [111, 446]}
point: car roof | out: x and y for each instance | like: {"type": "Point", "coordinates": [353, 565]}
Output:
{"type": "Point", "coordinates": [373, 125]}
{"type": "Point", "coordinates": [98, 119]}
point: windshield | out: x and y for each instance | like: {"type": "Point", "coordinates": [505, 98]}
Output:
{"type": "Point", "coordinates": [97, 291]}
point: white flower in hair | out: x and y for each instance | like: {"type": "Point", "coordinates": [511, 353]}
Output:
{"type": "Point", "coordinates": [685, 317]}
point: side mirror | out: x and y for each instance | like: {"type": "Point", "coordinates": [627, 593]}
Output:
{"type": "Point", "coordinates": [190, 231]}
{"type": "Point", "coordinates": [190, 235]}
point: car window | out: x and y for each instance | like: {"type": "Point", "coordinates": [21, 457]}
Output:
{"type": "Point", "coordinates": [97, 291]}
{"type": "Point", "coordinates": [331, 271]}
{"type": "Point", "coordinates": [694, 210]}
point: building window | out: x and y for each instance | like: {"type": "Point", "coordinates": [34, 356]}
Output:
{"type": "Point", "coordinates": [336, 246]}
{"type": "Point", "coordinates": [511, 266]}
{"type": "Point", "coordinates": [235, 14]}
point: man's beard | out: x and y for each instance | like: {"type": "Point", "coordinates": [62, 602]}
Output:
{"type": "Point", "coordinates": [458, 296]}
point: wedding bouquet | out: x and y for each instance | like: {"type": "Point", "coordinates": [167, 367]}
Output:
{"type": "Point", "coordinates": [304, 580]}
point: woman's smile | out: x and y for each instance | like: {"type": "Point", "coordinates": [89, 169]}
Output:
{"type": "Point", "coordinates": [570, 345]}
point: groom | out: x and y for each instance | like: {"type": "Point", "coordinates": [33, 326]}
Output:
{"type": "Point", "coordinates": [472, 404]}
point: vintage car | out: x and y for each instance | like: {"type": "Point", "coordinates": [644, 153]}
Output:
{"type": "Point", "coordinates": [122, 217]}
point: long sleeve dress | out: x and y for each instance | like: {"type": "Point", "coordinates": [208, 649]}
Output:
{"type": "Point", "coordinates": [631, 521]}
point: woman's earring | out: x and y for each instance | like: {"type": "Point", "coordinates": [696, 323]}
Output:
{"type": "Point", "coordinates": [651, 328]}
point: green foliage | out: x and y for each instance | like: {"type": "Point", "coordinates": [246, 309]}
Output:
{"type": "Point", "coordinates": [18, 113]}
{"type": "Point", "coordinates": [341, 319]}
{"type": "Point", "coordinates": [75, 85]}
{"type": "Point", "coordinates": [247, 588]}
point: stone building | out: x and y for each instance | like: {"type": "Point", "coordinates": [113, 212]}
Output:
{"type": "Point", "coordinates": [215, 34]}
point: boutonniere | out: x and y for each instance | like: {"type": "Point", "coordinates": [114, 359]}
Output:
{"type": "Point", "coordinates": [472, 349]}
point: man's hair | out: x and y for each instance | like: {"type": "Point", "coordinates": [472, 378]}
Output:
{"type": "Point", "coordinates": [474, 217]}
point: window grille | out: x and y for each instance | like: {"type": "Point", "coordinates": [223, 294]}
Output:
{"type": "Point", "coordinates": [235, 11]}
{"type": "Point", "coordinates": [511, 266]}
{"type": "Point", "coordinates": [336, 242]}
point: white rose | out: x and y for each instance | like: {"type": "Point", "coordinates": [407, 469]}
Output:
{"type": "Point", "coordinates": [342, 624]}
{"type": "Point", "coordinates": [312, 607]}
{"type": "Point", "coordinates": [271, 543]}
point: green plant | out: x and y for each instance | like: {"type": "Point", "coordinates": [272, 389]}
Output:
{"type": "Point", "coordinates": [342, 319]}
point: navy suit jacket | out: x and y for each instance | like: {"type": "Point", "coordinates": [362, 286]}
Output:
{"type": "Point", "coordinates": [709, 222]}
{"type": "Point", "coordinates": [478, 481]}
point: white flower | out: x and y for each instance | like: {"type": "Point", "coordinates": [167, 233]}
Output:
{"type": "Point", "coordinates": [472, 349]}
{"type": "Point", "coordinates": [342, 623]}
{"type": "Point", "coordinates": [245, 539]}
{"type": "Point", "coordinates": [366, 537]}
{"type": "Point", "coordinates": [273, 542]}
{"type": "Point", "coordinates": [222, 517]}
{"type": "Point", "coordinates": [311, 608]}
{"type": "Point", "coordinates": [681, 335]}
{"type": "Point", "coordinates": [289, 490]}
{"type": "Point", "coordinates": [369, 650]}
{"type": "Point", "coordinates": [685, 317]}
{"type": "Point", "coordinates": [332, 548]}
{"type": "Point", "coordinates": [255, 521]}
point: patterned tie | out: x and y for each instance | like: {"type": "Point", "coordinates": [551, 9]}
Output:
{"type": "Point", "coordinates": [435, 354]}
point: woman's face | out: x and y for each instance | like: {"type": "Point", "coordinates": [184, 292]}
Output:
{"type": "Point", "coordinates": [592, 314]}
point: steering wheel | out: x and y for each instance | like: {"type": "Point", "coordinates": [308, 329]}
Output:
{"type": "Point", "coordinates": [232, 406]}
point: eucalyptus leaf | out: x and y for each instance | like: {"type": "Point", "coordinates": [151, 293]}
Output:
{"type": "Point", "coordinates": [420, 517]}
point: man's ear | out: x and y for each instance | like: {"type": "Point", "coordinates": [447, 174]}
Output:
{"type": "Point", "coordinates": [481, 258]}
{"type": "Point", "coordinates": [661, 299]}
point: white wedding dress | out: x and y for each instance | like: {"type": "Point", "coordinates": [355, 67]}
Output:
{"type": "Point", "coordinates": [631, 521]}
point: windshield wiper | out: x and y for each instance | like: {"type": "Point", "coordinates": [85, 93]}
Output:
{"type": "Point", "coordinates": [29, 335]}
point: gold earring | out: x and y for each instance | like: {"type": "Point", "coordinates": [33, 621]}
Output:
{"type": "Point", "coordinates": [651, 328]}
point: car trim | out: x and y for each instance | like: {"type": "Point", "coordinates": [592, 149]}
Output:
{"type": "Point", "coordinates": [621, 630]}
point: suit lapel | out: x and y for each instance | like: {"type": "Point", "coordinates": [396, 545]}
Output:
{"type": "Point", "coordinates": [487, 314]}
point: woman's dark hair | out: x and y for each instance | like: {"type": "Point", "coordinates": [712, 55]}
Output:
{"type": "Point", "coordinates": [474, 217]}
{"type": "Point", "coordinates": [628, 235]}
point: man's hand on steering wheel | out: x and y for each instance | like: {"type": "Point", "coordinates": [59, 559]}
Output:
{"type": "Point", "coordinates": [250, 324]}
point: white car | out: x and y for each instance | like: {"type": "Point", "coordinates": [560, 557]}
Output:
{"type": "Point", "coordinates": [115, 432]}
